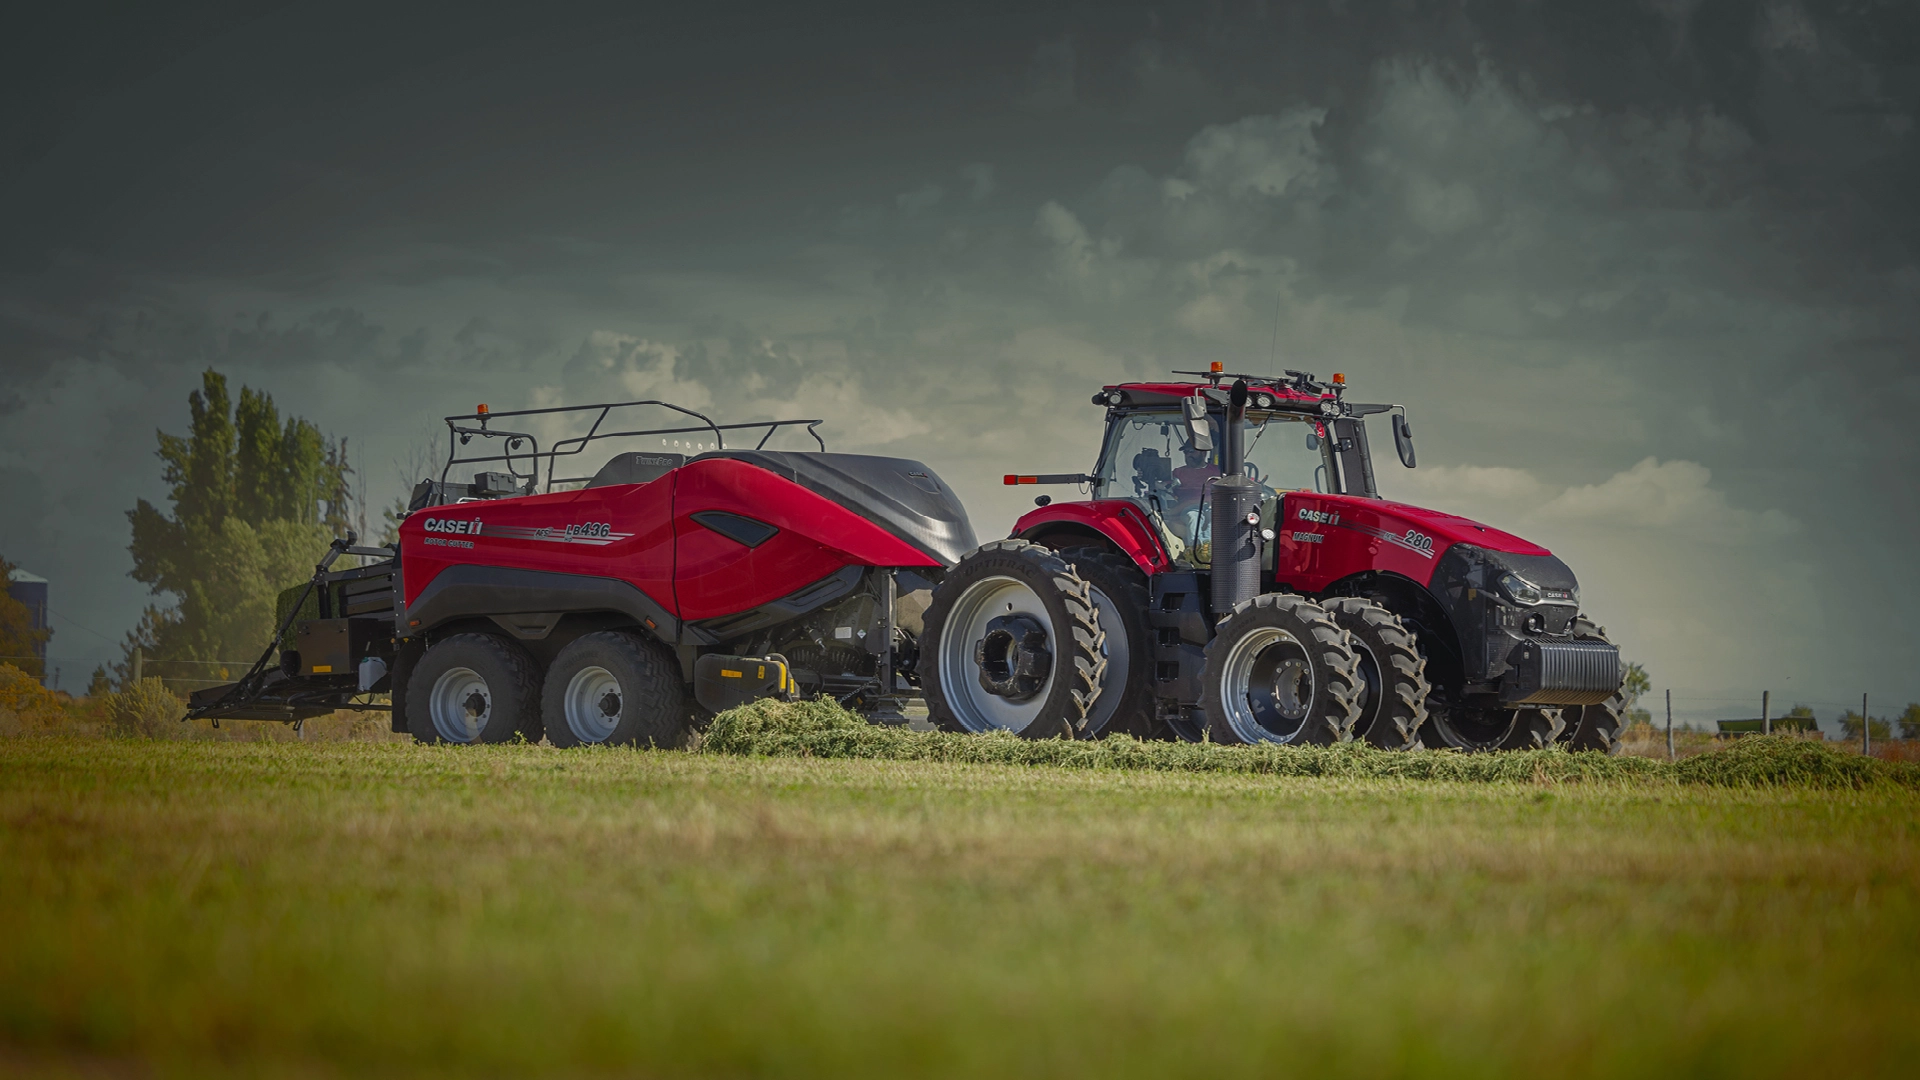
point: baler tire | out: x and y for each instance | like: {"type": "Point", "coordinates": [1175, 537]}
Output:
{"type": "Point", "coordinates": [1125, 705]}
{"type": "Point", "coordinates": [500, 667]}
{"type": "Point", "coordinates": [1076, 666]}
{"type": "Point", "coordinates": [652, 706]}
{"type": "Point", "coordinates": [1319, 648]}
{"type": "Point", "coordinates": [405, 659]}
{"type": "Point", "coordinates": [1393, 702]}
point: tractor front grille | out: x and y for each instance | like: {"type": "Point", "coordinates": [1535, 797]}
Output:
{"type": "Point", "coordinates": [1561, 671]}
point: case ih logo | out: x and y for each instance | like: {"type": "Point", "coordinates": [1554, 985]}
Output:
{"type": "Point", "coordinates": [449, 525]}
{"type": "Point", "coordinates": [1321, 516]}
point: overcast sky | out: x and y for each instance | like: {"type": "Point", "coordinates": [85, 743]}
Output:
{"type": "Point", "coordinates": [1644, 273]}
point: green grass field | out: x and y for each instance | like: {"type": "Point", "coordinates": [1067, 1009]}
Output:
{"type": "Point", "coordinates": [216, 908]}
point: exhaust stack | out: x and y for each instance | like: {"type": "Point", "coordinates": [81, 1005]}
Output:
{"type": "Point", "coordinates": [1236, 516]}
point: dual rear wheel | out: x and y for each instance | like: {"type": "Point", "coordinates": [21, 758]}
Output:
{"type": "Point", "coordinates": [610, 687]}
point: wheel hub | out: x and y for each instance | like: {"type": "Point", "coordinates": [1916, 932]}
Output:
{"type": "Point", "coordinates": [1013, 657]}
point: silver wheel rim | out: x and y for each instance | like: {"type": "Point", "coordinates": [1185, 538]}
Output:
{"type": "Point", "coordinates": [972, 705]}
{"type": "Point", "coordinates": [460, 705]}
{"type": "Point", "coordinates": [590, 694]}
{"type": "Point", "coordinates": [1267, 687]}
{"type": "Point", "coordinates": [1113, 684]}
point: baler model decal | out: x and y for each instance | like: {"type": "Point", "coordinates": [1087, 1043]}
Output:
{"type": "Point", "coordinates": [597, 533]}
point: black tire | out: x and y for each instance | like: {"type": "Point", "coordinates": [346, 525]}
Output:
{"type": "Point", "coordinates": [488, 679]}
{"type": "Point", "coordinates": [1025, 604]}
{"type": "Point", "coordinates": [1393, 674]}
{"type": "Point", "coordinates": [617, 688]}
{"type": "Point", "coordinates": [1480, 730]}
{"type": "Point", "coordinates": [1294, 677]}
{"type": "Point", "coordinates": [1595, 727]}
{"type": "Point", "coordinates": [405, 659]}
{"type": "Point", "coordinates": [1125, 704]}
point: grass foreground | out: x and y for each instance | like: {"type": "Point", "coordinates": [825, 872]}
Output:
{"type": "Point", "coordinates": [351, 908]}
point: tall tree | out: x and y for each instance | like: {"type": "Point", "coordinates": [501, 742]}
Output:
{"type": "Point", "coordinates": [254, 500]}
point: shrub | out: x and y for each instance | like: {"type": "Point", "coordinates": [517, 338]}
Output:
{"type": "Point", "coordinates": [145, 709]}
{"type": "Point", "coordinates": [26, 707]}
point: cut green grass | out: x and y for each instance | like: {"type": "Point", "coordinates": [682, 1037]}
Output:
{"type": "Point", "coordinates": [821, 729]}
{"type": "Point", "coordinates": [381, 909]}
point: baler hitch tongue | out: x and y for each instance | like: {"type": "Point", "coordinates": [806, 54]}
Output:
{"type": "Point", "coordinates": [245, 699]}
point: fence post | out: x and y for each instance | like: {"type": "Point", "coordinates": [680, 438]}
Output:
{"type": "Point", "coordinates": [1766, 714]}
{"type": "Point", "coordinates": [1669, 724]}
{"type": "Point", "coordinates": [136, 663]}
{"type": "Point", "coordinates": [1866, 729]}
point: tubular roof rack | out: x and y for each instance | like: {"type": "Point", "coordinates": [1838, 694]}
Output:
{"type": "Point", "coordinates": [1299, 380]}
{"type": "Point", "coordinates": [460, 433]}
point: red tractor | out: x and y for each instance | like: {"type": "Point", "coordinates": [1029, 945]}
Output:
{"type": "Point", "coordinates": [1252, 586]}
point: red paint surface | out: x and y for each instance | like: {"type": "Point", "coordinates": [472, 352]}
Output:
{"type": "Point", "coordinates": [644, 558]}
{"type": "Point", "coordinates": [1372, 534]}
{"type": "Point", "coordinates": [817, 536]}
{"type": "Point", "coordinates": [690, 570]}
{"type": "Point", "coordinates": [1119, 520]}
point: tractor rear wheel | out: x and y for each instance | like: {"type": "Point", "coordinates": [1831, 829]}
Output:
{"type": "Point", "coordinates": [1476, 730]}
{"type": "Point", "coordinates": [1012, 644]}
{"type": "Point", "coordinates": [1125, 705]}
{"type": "Point", "coordinates": [617, 688]}
{"type": "Point", "coordinates": [1393, 674]}
{"type": "Point", "coordinates": [473, 688]}
{"type": "Point", "coordinates": [1280, 670]}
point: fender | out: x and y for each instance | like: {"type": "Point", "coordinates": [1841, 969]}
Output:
{"type": "Point", "coordinates": [1119, 522]}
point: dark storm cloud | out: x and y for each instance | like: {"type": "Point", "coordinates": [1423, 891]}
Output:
{"type": "Point", "coordinates": [1645, 272]}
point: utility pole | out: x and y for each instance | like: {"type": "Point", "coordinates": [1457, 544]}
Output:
{"type": "Point", "coordinates": [1669, 724]}
{"type": "Point", "coordinates": [1766, 715]}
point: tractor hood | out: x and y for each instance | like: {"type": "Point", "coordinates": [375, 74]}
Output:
{"type": "Point", "coordinates": [900, 495]}
{"type": "Point", "coordinates": [1448, 528]}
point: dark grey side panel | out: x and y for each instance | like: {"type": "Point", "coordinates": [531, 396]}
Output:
{"type": "Point", "coordinates": [468, 591]}
{"type": "Point", "coordinates": [789, 607]}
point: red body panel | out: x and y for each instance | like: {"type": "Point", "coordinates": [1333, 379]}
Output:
{"type": "Point", "coordinates": [817, 536]}
{"type": "Point", "coordinates": [1323, 538]}
{"type": "Point", "coordinates": [1354, 534]}
{"type": "Point", "coordinates": [532, 533]}
{"type": "Point", "coordinates": [645, 534]}
{"type": "Point", "coordinates": [1119, 520]}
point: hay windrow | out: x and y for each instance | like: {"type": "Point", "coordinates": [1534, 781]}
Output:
{"type": "Point", "coordinates": [821, 729]}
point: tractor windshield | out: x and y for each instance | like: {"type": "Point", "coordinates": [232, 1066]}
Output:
{"type": "Point", "coordinates": [1151, 456]}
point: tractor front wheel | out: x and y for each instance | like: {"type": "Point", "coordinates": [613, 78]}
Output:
{"type": "Point", "coordinates": [1474, 729]}
{"type": "Point", "coordinates": [1393, 674]}
{"type": "Point", "coordinates": [1280, 670]}
{"type": "Point", "coordinates": [1012, 644]}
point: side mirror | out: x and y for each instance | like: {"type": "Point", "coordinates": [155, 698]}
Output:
{"type": "Point", "coordinates": [1403, 439]}
{"type": "Point", "coordinates": [1196, 412]}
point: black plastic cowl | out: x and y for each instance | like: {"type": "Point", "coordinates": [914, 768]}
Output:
{"type": "Point", "coordinates": [900, 495]}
